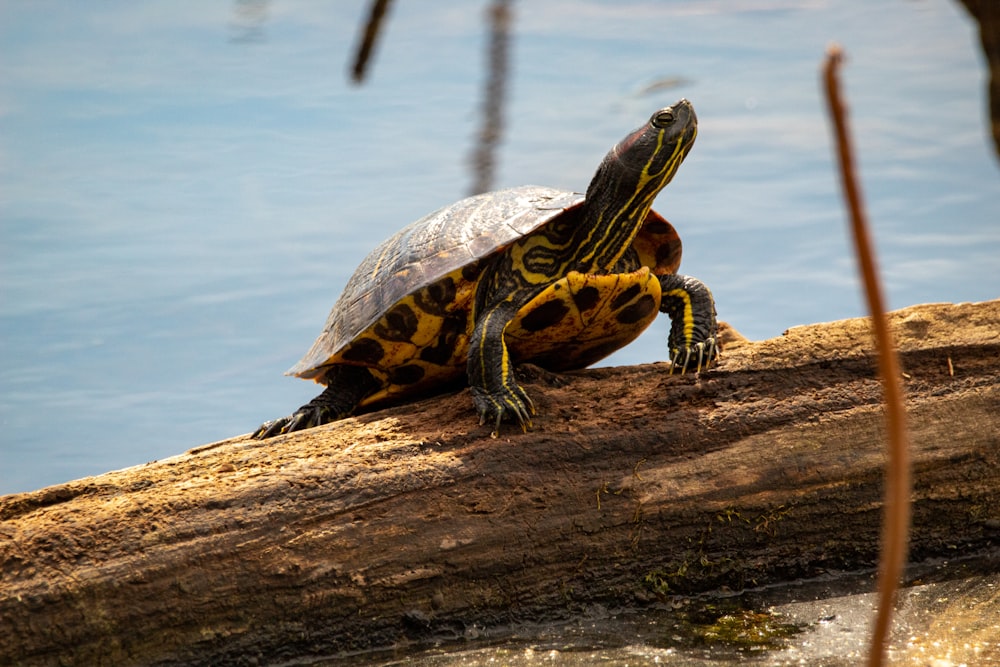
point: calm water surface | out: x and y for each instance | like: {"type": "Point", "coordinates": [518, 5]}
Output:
{"type": "Point", "coordinates": [950, 622]}
{"type": "Point", "coordinates": [185, 187]}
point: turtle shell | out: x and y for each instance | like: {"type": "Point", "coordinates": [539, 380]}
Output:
{"type": "Point", "coordinates": [447, 247]}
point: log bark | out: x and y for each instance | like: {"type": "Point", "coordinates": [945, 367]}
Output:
{"type": "Point", "coordinates": [634, 485]}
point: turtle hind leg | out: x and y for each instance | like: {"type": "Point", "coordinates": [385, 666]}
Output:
{"type": "Point", "coordinates": [693, 339]}
{"type": "Point", "coordinates": [495, 392]}
{"type": "Point", "coordinates": [346, 387]}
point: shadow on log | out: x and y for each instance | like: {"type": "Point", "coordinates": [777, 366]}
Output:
{"type": "Point", "coordinates": [412, 523]}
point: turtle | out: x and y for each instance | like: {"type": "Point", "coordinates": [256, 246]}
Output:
{"type": "Point", "coordinates": [527, 274]}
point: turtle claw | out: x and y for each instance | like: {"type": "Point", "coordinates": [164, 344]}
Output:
{"type": "Point", "coordinates": [279, 426]}
{"type": "Point", "coordinates": [305, 417]}
{"type": "Point", "coordinates": [496, 427]}
{"type": "Point", "coordinates": [704, 354]}
{"type": "Point", "coordinates": [510, 403]}
{"type": "Point", "coordinates": [269, 429]}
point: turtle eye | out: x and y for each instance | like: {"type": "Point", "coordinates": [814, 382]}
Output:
{"type": "Point", "coordinates": [663, 118]}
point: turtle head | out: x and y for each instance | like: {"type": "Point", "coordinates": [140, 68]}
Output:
{"type": "Point", "coordinates": [626, 183]}
{"type": "Point", "coordinates": [641, 164]}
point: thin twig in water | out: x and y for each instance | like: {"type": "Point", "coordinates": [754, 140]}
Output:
{"type": "Point", "coordinates": [483, 157]}
{"type": "Point", "coordinates": [368, 39]}
{"type": "Point", "coordinates": [896, 512]}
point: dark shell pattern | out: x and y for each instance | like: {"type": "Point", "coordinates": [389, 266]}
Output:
{"type": "Point", "coordinates": [450, 238]}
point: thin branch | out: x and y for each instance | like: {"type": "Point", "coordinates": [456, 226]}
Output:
{"type": "Point", "coordinates": [896, 511]}
{"type": "Point", "coordinates": [484, 155]}
{"type": "Point", "coordinates": [368, 39]}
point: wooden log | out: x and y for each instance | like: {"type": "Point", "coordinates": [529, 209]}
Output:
{"type": "Point", "coordinates": [412, 522]}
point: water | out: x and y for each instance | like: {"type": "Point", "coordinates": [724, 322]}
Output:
{"type": "Point", "coordinates": [185, 187]}
{"type": "Point", "coordinates": [947, 617]}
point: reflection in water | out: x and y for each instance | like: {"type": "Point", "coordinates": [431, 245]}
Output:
{"type": "Point", "coordinates": [368, 38]}
{"type": "Point", "coordinates": [483, 156]}
{"type": "Point", "coordinates": [942, 621]}
{"type": "Point", "coordinates": [249, 17]}
{"type": "Point", "coordinates": [661, 84]}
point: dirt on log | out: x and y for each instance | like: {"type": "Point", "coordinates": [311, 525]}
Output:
{"type": "Point", "coordinates": [412, 523]}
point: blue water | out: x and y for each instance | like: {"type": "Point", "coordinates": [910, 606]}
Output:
{"type": "Point", "coordinates": [186, 186]}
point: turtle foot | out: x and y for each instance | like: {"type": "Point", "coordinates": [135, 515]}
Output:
{"type": "Point", "coordinates": [698, 357]}
{"type": "Point", "coordinates": [347, 385]}
{"type": "Point", "coordinates": [305, 417]}
{"type": "Point", "coordinates": [510, 403]}
{"type": "Point", "coordinates": [269, 429]}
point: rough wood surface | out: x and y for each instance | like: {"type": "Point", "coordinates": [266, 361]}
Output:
{"type": "Point", "coordinates": [412, 522]}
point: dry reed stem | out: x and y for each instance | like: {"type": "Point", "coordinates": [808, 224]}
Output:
{"type": "Point", "coordinates": [896, 511]}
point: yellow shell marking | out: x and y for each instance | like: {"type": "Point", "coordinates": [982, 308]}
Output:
{"type": "Point", "coordinates": [410, 348]}
{"type": "Point", "coordinates": [582, 318]}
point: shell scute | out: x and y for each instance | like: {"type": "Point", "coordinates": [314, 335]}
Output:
{"type": "Point", "coordinates": [444, 242]}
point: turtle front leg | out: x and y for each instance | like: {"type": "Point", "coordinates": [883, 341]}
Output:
{"type": "Point", "coordinates": [346, 387]}
{"type": "Point", "coordinates": [496, 394]}
{"type": "Point", "coordinates": [693, 339]}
